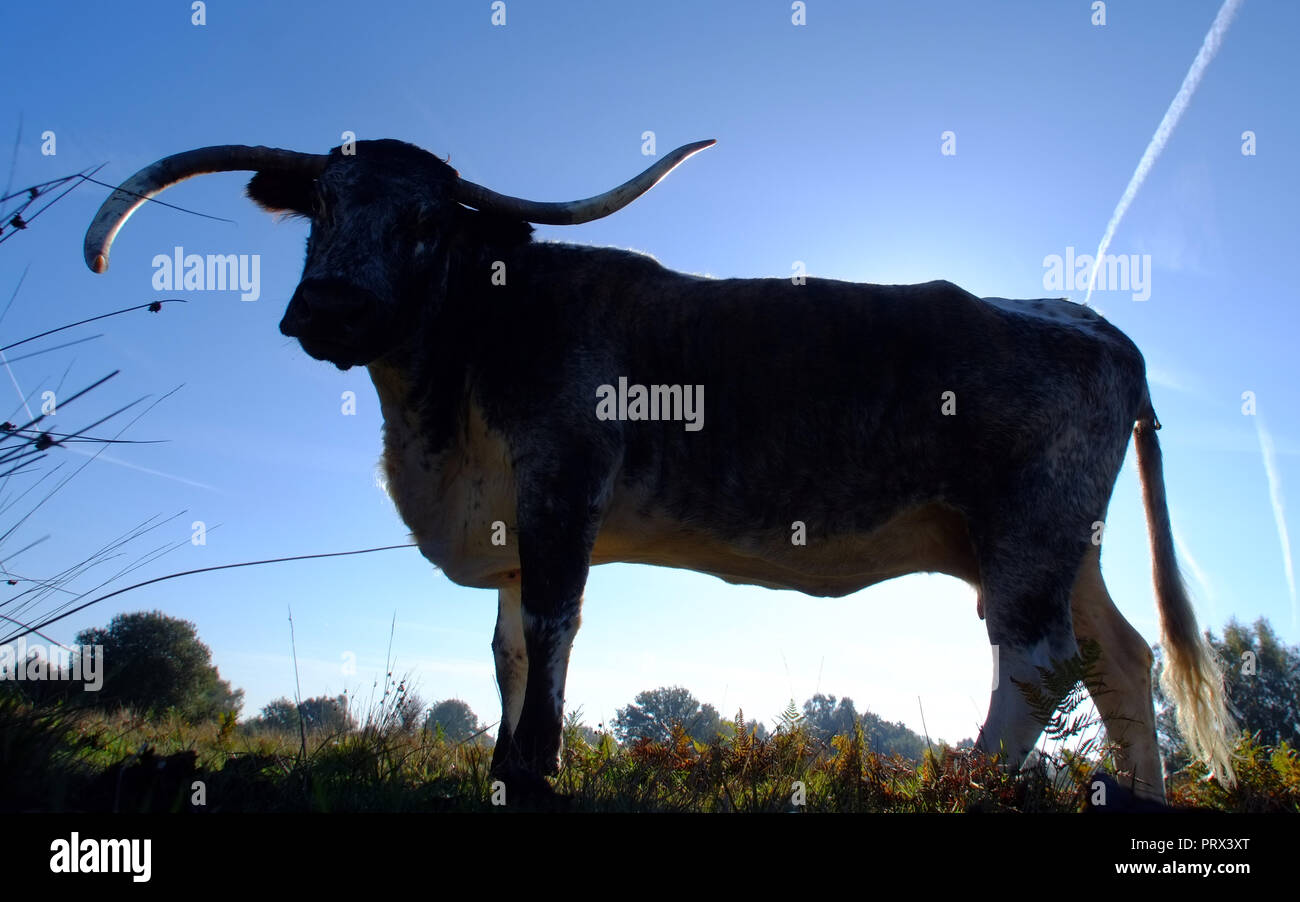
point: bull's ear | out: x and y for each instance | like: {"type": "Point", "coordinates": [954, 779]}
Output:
{"type": "Point", "coordinates": [277, 191]}
{"type": "Point", "coordinates": [490, 228]}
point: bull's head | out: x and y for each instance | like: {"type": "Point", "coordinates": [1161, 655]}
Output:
{"type": "Point", "coordinates": [384, 221]}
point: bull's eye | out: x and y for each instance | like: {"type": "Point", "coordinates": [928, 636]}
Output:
{"type": "Point", "coordinates": [422, 217]}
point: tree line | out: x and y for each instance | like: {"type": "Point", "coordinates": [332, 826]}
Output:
{"type": "Point", "coordinates": [155, 665]}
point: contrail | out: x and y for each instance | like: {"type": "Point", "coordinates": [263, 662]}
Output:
{"type": "Point", "coordinates": [123, 463]}
{"type": "Point", "coordinates": [1279, 515]}
{"type": "Point", "coordinates": [1209, 47]}
{"type": "Point", "coordinates": [14, 379]}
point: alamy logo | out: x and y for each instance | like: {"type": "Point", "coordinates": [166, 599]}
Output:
{"type": "Point", "coordinates": [653, 402]}
{"type": "Point", "coordinates": [103, 856]}
{"type": "Point", "coordinates": [215, 272]}
{"type": "Point", "coordinates": [1117, 272]}
{"type": "Point", "coordinates": [78, 664]}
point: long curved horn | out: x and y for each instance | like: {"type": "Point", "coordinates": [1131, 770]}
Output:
{"type": "Point", "coordinates": [152, 179]}
{"type": "Point", "coordinates": [575, 211]}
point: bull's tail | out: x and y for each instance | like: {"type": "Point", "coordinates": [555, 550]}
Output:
{"type": "Point", "coordinates": [1191, 678]}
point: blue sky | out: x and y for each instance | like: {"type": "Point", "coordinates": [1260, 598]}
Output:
{"type": "Point", "coordinates": [829, 152]}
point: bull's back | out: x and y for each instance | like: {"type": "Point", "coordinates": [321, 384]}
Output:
{"type": "Point", "coordinates": [844, 406]}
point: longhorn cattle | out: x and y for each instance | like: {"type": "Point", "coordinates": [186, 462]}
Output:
{"type": "Point", "coordinates": [903, 428]}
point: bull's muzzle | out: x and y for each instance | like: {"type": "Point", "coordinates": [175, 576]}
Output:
{"type": "Point", "coordinates": [336, 321]}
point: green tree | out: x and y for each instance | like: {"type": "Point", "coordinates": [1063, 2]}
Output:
{"type": "Point", "coordinates": [727, 728]}
{"type": "Point", "coordinates": [1262, 678]}
{"type": "Point", "coordinates": [892, 738]}
{"type": "Point", "coordinates": [826, 717]}
{"type": "Point", "coordinates": [323, 713]}
{"type": "Point", "coordinates": [457, 719]}
{"type": "Point", "coordinates": [55, 684]}
{"type": "Point", "coordinates": [279, 715]}
{"type": "Point", "coordinates": [409, 713]}
{"type": "Point", "coordinates": [153, 663]}
{"type": "Point", "coordinates": [656, 710]}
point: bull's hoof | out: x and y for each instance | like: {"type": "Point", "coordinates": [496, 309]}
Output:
{"type": "Point", "coordinates": [527, 789]}
{"type": "Point", "coordinates": [1121, 800]}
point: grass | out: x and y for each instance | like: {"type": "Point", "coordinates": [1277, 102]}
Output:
{"type": "Point", "coordinates": [55, 758]}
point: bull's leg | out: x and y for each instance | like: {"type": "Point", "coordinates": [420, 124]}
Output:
{"type": "Point", "coordinates": [1012, 726]}
{"type": "Point", "coordinates": [1025, 591]}
{"type": "Point", "coordinates": [528, 744]}
{"type": "Point", "coordinates": [558, 507]}
{"type": "Point", "coordinates": [549, 636]}
{"type": "Point", "coordinates": [511, 654]}
{"type": "Point", "coordinates": [1125, 670]}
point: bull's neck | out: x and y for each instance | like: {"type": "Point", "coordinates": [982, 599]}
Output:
{"type": "Point", "coordinates": [422, 382]}
{"type": "Point", "coordinates": [419, 393]}
{"type": "Point", "coordinates": [393, 384]}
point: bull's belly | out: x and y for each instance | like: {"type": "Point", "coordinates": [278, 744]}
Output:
{"type": "Point", "coordinates": [460, 508]}
{"type": "Point", "coordinates": [932, 538]}
{"type": "Point", "coordinates": [928, 539]}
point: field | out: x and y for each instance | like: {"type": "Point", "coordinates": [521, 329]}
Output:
{"type": "Point", "coordinates": [55, 759]}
